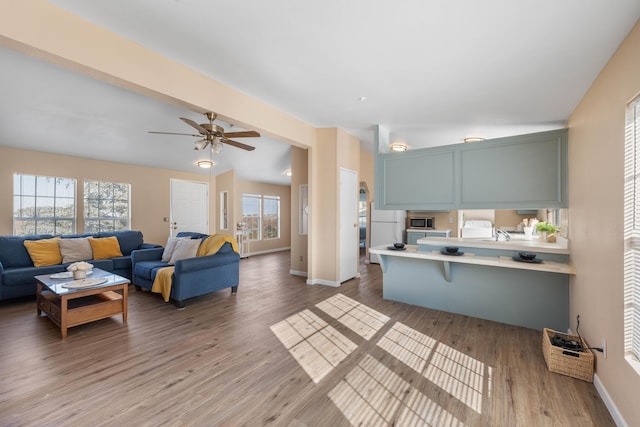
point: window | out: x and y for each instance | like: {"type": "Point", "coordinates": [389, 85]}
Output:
{"type": "Point", "coordinates": [224, 211]}
{"type": "Point", "coordinates": [632, 235]}
{"type": "Point", "coordinates": [106, 206]}
{"type": "Point", "coordinates": [304, 209]}
{"type": "Point", "coordinates": [271, 217]}
{"type": "Point", "coordinates": [43, 205]}
{"type": "Point", "coordinates": [261, 216]}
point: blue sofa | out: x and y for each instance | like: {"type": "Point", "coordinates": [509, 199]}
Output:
{"type": "Point", "coordinates": [192, 277]}
{"type": "Point", "coordinates": [17, 270]}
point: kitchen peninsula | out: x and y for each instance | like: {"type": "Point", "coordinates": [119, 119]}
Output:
{"type": "Point", "coordinates": [485, 279]}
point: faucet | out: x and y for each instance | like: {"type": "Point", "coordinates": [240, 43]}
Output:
{"type": "Point", "coordinates": [506, 235]}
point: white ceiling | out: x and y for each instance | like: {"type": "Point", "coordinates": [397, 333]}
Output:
{"type": "Point", "coordinates": [432, 72]}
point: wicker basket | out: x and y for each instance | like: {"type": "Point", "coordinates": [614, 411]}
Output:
{"type": "Point", "coordinates": [574, 364]}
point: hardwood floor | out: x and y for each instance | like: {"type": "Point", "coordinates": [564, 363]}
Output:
{"type": "Point", "coordinates": [283, 353]}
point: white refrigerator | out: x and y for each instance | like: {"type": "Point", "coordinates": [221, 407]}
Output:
{"type": "Point", "coordinates": [387, 228]}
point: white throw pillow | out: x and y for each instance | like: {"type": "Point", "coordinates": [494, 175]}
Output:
{"type": "Point", "coordinates": [170, 247]}
{"type": "Point", "coordinates": [185, 248]}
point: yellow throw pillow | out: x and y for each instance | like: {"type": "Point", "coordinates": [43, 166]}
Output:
{"type": "Point", "coordinates": [105, 247]}
{"type": "Point", "coordinates": [44, 251]}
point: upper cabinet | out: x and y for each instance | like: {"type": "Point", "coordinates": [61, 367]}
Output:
{"type": "Point", "coordinates": [519, 172]}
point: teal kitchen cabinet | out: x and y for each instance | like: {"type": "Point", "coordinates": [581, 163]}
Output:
{"type": "Point", "coordinates": [427, 175]}
{"type": "Point", "coordinates": [413, 236]}
{"type": "Point", "coordinates": [525, 171]}
{"type": "Point", "coordinates": [518, 172]}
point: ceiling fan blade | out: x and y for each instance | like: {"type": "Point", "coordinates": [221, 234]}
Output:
{"type": "Point", "coordinates": [173, 133]}
{"type": "Point", "coordinates": [246, 134]}
{"type": "Point", "coordinates": [196, 126]}
{"type": "Point", "coordinates": [238, 144]}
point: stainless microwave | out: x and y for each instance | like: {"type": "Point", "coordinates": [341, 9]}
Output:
{"type": "Point", "coordinates": [427, 223]}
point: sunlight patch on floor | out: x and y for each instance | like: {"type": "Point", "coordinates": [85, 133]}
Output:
{"type": "Point", "coordinates": [317, 346]}
{"type": "Point", "coordinates": [458, 374]}
{"type": "Point", "coordinates": [408, 346]}
{"type": "Point", "coordinates": [361, 319]}
{"type": "Point", "coordinates": [373, 395]}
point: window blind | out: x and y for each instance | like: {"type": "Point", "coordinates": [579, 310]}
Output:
{"type": "Point", "coordinates": [632, 231]}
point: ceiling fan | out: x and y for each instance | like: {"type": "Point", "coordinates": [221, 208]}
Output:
{"type": "Point", "coordinates": [214, 135]}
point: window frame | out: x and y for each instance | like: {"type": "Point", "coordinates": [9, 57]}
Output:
{"type": "Point", "coordinates": [100, 219]}
{"type": "Point", "coordinates": [22, 196]}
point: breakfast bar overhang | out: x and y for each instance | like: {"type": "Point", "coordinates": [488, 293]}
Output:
{"type": "Point", "coordinates": [484, 282]}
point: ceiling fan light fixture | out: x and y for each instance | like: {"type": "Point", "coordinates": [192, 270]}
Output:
{"type": "Point", "coordinates": [216, 146]}
{"type": "Point", "coordinates": [199, 145]}
{"type": "Point", "coordinates": [398, 146]}
{"type": "Point", "coordinates": [205, 164]}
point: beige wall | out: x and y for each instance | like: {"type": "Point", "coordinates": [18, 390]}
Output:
{"type": "Point", "coordinates": [596, 167]}
{"type": "Point", "coordinates": [299, 242]}
{"type": "Point", "coordinates": [510, 218]}
{"type": "Point", "coordinates": [334, 149]}
{"type": "Point", "coordinates": [323, 237]}
{"type": "Point", "coordinates": [367, 171]}
{"type": "Point", "coordinates": [150, 188]}
{"type": "Point", "coordinates": [284, 191]}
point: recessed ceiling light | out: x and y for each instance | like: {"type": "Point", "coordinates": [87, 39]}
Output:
{"type": "Point", "coordinates": [287, 172]}
{"type": "Point", "coordinates": [398, 146]}
{"type": "Point", "coordinates": [205, 164]}
{"type": "Point", "coordinates": [473, 139]}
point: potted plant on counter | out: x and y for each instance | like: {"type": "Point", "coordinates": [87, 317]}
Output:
{"type": "Point", "coordinates": [547, 232]}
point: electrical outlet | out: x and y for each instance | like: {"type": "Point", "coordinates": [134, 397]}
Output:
{"type": "Point", "coordinates": [604, 348]}
{"type": "Point", "coordinates": [450, 220]}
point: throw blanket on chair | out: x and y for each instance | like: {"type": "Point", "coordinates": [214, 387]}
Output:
{"type": "Point", "coordinates": [211, 245]}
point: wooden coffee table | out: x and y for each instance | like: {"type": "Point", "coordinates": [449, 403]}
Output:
{"type": "Point", "coordinates": [72, 307]}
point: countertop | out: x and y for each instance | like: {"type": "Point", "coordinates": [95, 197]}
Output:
{"type": "Point", "coordinates": [517, 243]}
{"type": "Point", "coordinates": [411, 251]}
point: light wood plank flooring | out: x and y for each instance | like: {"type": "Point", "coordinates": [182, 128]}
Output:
{"type": "Point", "coordinates": [283, 353]}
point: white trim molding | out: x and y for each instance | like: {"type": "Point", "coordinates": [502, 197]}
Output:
{"type": "Point", "coordinates": [323, 282]}
{"type": "Point", "coordinates": [608, 402]}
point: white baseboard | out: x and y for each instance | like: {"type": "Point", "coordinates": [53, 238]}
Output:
{"type": "Point", "coordinates": [268, 251]}
{"type": "Point", "coordinates": [606, 398]}
{"type": "Point", "coordinates": [298, 273]}
{"type": "Point", "coordinates": [608, 402]}
{"type": "Point", "coordinates": [323, 282]}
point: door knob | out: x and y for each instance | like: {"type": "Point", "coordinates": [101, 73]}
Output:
{"type": "Point", "coordinates": [355, 225]}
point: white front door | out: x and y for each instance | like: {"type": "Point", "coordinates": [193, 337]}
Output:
{"type": "Point", "coordinates": [189, 206]}
{"type": "Point", "coordinates": [349, 230]}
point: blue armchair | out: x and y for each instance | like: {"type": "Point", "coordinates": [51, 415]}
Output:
{"type": "Point", "coordinates": [192, 277]}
